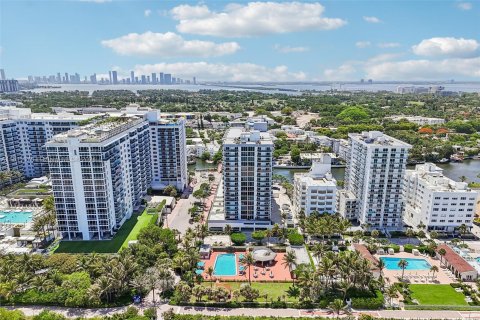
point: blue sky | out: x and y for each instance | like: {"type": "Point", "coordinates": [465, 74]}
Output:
{"type": "Point", "coordinates": [244, 41]}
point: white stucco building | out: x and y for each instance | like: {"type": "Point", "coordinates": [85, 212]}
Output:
{"type": "Point", "coordinates": [315, 191]}
{"type": "Point", "coordinates": [437, 201]}
{"type": "Point", "coordinates": [99, 174]}
{"type": "Point", "coordinates": [247, 181]}
{"type": "Point", "coordinates": [374, 175]}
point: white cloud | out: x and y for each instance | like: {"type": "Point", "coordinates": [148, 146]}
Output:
{"type": "Point", "coordinates": [372, 19]}
{"type": "Point", "coordinates": [452, 47]}
{"type": "Point", "coordinates": [223, 72]}
{"type": "Point", "coordinates": [424, 69]}
{"type": "Point", "coordinates": [253, 19]}
{"type": "Point", "coordinates": [289, 49]}
{"type": "Point", "coordinates": [362, 44]}
{"type": "Point", "coordinates": [464, 6]}
{"type": "Point", "coordinates": [346, 71]}
{"type": "Point", "coordinates": [388, 45]}
{"type": "Point", "coordinates": [147, 13]}
{"type": "Point", "coordinates": [167, 45]}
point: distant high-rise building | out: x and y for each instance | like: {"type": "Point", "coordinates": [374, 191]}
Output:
{"type": "Point", "coordinates": [30, 79]}
{"type": "Point", "coordinates": [148, 79]}
{"type": "Point", "coordinates": [154, 78]}
{"type": "Point", "coordinates": [174, 80]}
{"type": "Point", "coordinates": [194, 80]}
{"type": "Point", "coordinates": [59, 78]}
{"type": "Point", "coordinates": [132, 76]}
{"type": "Point", "coordinates": [8, 85]}
{"type": "Point", "coordinates": [114, 77]}
{"type": "Point", "coordinates": [144, 79]}
{"type": "Point", "coordinates": [110, 76]}
{"type": "Point", "coordinates": [67, 78]}
{"type": "Point", "coordinates": [167, 78]}
{"type": "Point", "coordinates": [161, 78]}
{"type": "Point", "coordinates": [136, 80]}
{"type": "Point", "coordinates": [93, 78]}
{"type": "Point", "coordinates": [2, 74]}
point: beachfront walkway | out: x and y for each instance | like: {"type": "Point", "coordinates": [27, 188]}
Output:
{"type": "Point", "coordinates": [398, 314]}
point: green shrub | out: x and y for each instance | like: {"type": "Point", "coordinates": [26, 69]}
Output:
{"type": "Point", "coordinates": [295, 239]}
{"type": "Point", "coordinates": [238, 238]}
{"type": "Point", "coordinates": [408, 248]}
{"type": "Point", "coordinates": [368, 303]}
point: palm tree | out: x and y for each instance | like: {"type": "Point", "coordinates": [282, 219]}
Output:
{"type": "Point", "coordinates": [403, 265]}
{"type": "Point", "coordinates": [318, 249]}
{"type": "Point", "coordinates": [421, 225]}
{"type": "Point", "coordinates": [433, 235]}
{"type": "Point", "coordinates": [410, 234]}
{"type": "Point", "coordinates": [268, 234]}
{"type": "Point", "coordinates": [210, 271]}
{"type": "Point", "coordinates": [442, 252]}
{"type": "Point", "coordinates": [228, 229]}
{"type": "Point", "coordinates": [463, 178]}
{"type": "Point", "coordinates": [391, 293]}
{"type": "Point", "coordinates": [290, 261]}
{"type": "Point", "coordinates": [336, 306]}
{"type": "Point", "coordinates": [381, 266]}
{"type": "Point", "coordinates": [462, 229]}
{"type": "Point", "coordinates": [434, 269]}
{"type": "Point", "coordinates": [165, 280]}
{"type": "Point", "coordinates": [247, 260]}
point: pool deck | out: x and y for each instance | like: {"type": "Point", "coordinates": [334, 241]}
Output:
{"type": "Point", "coordinates": [417, 276]}
{"type": "Point", "coordinates": [280, 272]}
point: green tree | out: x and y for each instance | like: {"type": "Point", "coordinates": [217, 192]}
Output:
{"type": "Point", "coordinates": [290, 260]}
{"type": "Point", "coordinates": [403, 264]}
{"type": "Point", "coordinates": [205, 156]}
{"type": "Point", "coordinates": [247, 261]}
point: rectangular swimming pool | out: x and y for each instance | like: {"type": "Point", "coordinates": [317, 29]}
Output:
{"type": "Point", "coordinates": [391, 263]}
{"type": "Point", "coordinates": [225, 265]}
{"type": "Point", "coordinates": [12, 217]}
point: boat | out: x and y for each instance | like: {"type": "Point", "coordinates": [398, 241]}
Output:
{"type": "Point", "coordinates": [456, 157]}
{"type": "Point", "coordinates": [444, 160]}
{"type": "Point", "coordinates": [2, 216]}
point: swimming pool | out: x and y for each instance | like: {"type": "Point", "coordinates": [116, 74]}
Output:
{"type": "Point", "coordinates": [15, 217]}
{"type": "Point", "coordinates": [225, 265]}
{"type": "Point", "coordinates": [413, 264]}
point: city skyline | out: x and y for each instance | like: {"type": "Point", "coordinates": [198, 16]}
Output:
{"type": "Point", "coordinates": [221, 41]}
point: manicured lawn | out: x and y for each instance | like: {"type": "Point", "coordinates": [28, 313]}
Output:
{"type": "Point", "coordinates": [437, 294]}
{"type": "Point", "coordinates": [129, 231]}
{"type": "Point", "coordinates": [144, 220]}
{"type": "Point", "coordinates": [272, 289]}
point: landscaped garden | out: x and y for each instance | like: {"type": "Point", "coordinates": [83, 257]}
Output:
{"type": "Point", "coordinates": [437, 294]}
{"type": "Point", "coordinates": [128, 231]}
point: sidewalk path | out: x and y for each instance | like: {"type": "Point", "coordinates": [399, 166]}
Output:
{"type": "Point", "coordinates": [398, 314]}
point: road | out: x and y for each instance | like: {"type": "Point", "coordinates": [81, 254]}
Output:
{"type": "Point", "coordinates": [179, 218]}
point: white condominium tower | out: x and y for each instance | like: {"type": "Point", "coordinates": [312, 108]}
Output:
{"type": "Point", "coordinates": [437, 202]}
{"type": "Point", "coordinates": [168, 151]}
{"type": "Point", "coordinates": [247, 178]}
{"type": "Point", "coordinates": [315, 191]}
{"type": "Point", "coordinates": [99, 173]}
{"type": "Point", "coordinates": [375, 172]}
{"type": "Point", "coordinates": [23, 135]}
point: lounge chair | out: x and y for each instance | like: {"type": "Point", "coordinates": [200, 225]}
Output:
{"type": "Point", "coordinates": [263, 272]}
{"type": "Point", "coordinates": [271, 274]}
{"type": "Point", "coordinates": [255, 275]}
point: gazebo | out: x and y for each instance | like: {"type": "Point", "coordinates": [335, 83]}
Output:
{"type": "Point", "coordinates": [263, 255]}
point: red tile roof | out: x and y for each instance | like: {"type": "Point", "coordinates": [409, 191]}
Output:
{"type": "Point", "coordinates": [454, 259]}
{"type": "Point", "coordinates": [366, 254]}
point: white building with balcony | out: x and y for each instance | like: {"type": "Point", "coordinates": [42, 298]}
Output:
{"type": "Point", "coordinates": [99, 173]}
{"type": "Point", "coordinates": [168, 151]}
{"type": "Point", "coordinates": [436, 201]}
{"type": "Point", "coordinates": [315, 191]}
{"type": "Point", "coordinates": [374, 175]}
{"type": "Point", "coordinates": [247, 180]}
